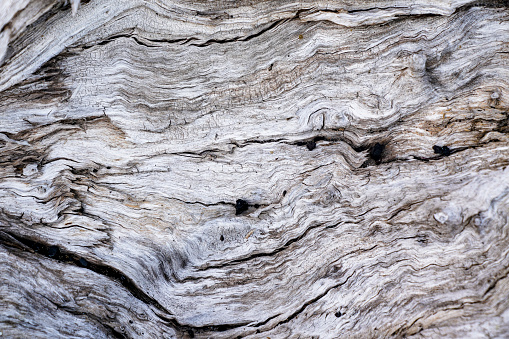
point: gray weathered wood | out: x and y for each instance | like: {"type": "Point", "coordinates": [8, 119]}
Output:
{"type": "Point", "coordinates": [130, 129]}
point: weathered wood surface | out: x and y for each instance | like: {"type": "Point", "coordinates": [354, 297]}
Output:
{"type": "Point", "coordinates": [130, 129]}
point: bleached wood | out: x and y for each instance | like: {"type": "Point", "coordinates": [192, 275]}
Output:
{"type": "Point", "coordinates": [129, 130]}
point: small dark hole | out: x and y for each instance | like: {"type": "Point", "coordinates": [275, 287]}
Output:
{"type": "Point", "coordinates": [53, 252]}
{"type": "Point", "coordinates": [338, 314]}
{"type": "Point", "coordinates": [95, 170]}
{"type": "Point", "coordinates": [221, 238]}
{"type": "Point", "coordinates": [284, 193]}
{"type": "Point", "coordinates": [311, 145]}
{"type": "Point", "coordinates": [270, 67]}
{"type": "Point", "coordinates": [442, 150]}
{"type": "Point", "coordinates": [241, 206]}
{"type": "Point", "coordinates": [83, 262]}
{"type": "Point", "coordinates": [130, 321]}
{"type": "Point", "coordinates": [376, 152]}
{"type": "Point", "coordinates": [256, 206]}
{"type": "Point", "coordinates": [108, 167]}
{"type": "Point", "coordinates": [191, 333]}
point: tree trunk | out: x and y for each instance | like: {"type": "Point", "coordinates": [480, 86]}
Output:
{"type": "Point", "coordinates": [281, 169]}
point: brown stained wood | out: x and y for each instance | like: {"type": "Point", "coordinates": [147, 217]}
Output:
{"type": "Point", "coordinates": [282, 169]}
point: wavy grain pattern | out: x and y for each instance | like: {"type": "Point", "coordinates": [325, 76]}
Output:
{"type": "Point", "coordinates": [282, 169]}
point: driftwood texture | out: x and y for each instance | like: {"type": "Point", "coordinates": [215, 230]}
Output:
{"type": "Point", "coordinates": [281, 169]}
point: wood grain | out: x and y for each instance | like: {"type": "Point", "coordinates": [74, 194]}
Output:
{"type": "Point", "coordinates": [282, 169]}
